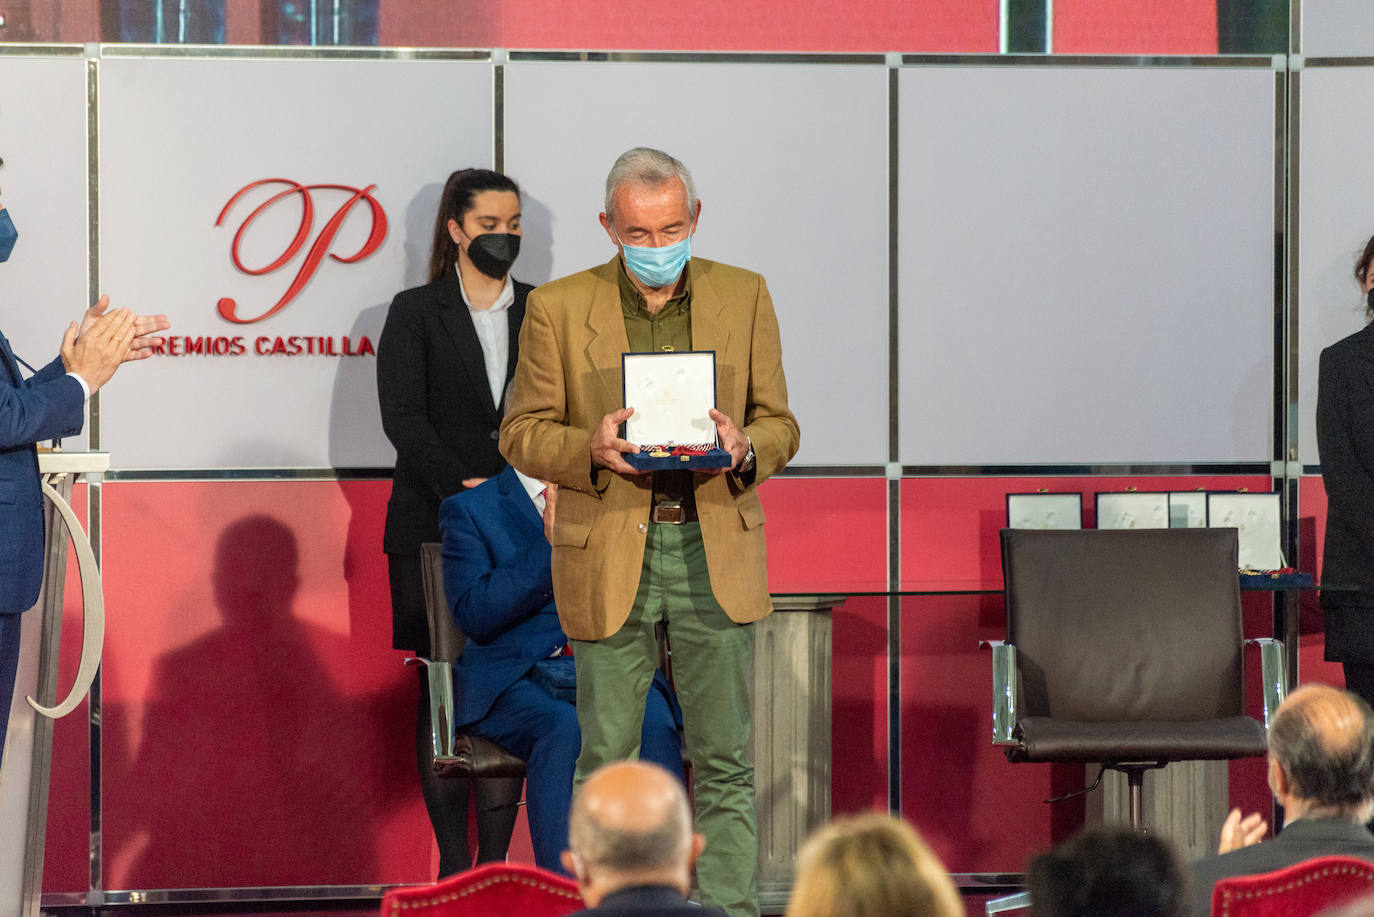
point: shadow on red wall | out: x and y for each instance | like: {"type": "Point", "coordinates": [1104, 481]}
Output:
{"type": "Point", "coordinates": [253, 764]}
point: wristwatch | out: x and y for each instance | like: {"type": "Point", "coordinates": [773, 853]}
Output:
{"type": "Point", "coordinates": [748, 463]}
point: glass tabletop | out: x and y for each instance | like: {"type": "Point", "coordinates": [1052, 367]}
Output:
{"type": "Point", "coordinates": [841, 588]}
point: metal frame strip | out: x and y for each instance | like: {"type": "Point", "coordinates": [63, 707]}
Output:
{"type": "Point", "coordinates": [792, 471]}
{"type": "Point", "coordinates": [1114, 61]}
{"type": "Point", "coordinates": [94, 491]}
{"type": "Point", "coordinates": [894, 486]}
{"type": "Point", "coordinates": [281, 52]}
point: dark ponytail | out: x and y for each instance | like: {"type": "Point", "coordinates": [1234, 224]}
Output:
{"type": "Point", "coordinates": [459, 191]}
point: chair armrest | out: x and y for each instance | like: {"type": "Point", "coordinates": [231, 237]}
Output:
{"type": "Point", "coordinates": [1274, 672]}
{"type": "Point", "coordinates": [1003, 691]}
{"type": "Point", "coordinates": [440, 704]}
{"type": "Point", "coordinates": [1014, 902]}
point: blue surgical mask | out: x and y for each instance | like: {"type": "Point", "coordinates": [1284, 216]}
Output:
{"type": "Point", "coordinates": [657, 267]}
{"type": "Point", "coordinates": [8, 235]}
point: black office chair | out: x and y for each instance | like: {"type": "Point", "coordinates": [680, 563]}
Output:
{"type": "Point", "coordinates": [1124, 648]}
{"type": "Point", "coordinates": [497, 776]}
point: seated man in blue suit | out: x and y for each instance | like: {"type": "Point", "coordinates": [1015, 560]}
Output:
{"type": "Point", "coordinates": [499, 584]}
{"type": "Point", "coordinates": [48, 404]}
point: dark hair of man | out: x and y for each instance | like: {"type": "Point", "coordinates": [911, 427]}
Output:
{"type": "Point", "coordinates": [1325, 744]}
{"type": "Point", "coordinates": [1108, 872]}
{"type": "Point", "coordinates": [460, 191]}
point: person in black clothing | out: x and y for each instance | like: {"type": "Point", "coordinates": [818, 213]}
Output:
{"type": "Point", "coordinates": [447, 352]}
{"type": "Point", "coordinates": [1345, 437]}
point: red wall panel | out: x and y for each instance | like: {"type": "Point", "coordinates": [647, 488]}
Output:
{"type": "Point", "coordinates": [1312, 535]}
{"type": "Point", "coordinates": [259, 729]}
{"type": "Point", "coordinates": [826, 534]}
{"type": "Point", "coordinates": [930, 26]}
{"type": "Point", "coordinates": [1158, 27]}
{"type": "Point", "coordinates": [950, 525]}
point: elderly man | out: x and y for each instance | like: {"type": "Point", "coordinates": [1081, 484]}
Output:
{"type": "Point", "coordinates": [682, 548]}
{"type": "Point", "coordinates": [631, 844]}
{"type": "Point", "coordinates": [1321, 769]}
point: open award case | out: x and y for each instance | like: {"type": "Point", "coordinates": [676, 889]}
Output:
{"type": "Point", "coordinates": [1044, 511]}
{"type": "Point", "coordinates": [1132, 510]}
{"type": "Point", "coordinates": [672, 394]}
{"type": "Point", "coordinates": [1256, 517]}
{"type": "Point", "coordinates": [1187, 509]}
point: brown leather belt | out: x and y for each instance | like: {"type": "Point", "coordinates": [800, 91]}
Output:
{"type": "Point", "coordinates": [675, 498]}
{"type": "Point", "coordinates": [673, 512]}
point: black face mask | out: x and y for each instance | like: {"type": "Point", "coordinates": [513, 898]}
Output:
{"type": "Point", "coordinates": [493, 253]}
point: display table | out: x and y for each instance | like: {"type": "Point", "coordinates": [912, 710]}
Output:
{"type": "Point", "coordinates": [790, 743]}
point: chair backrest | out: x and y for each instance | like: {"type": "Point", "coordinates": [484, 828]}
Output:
{"type": "Point", "coordinates": [1294, 891]}
{"type": "Point", "coordinates": [493, 890]}
{"type": "Point", "coordinates": [446, 641]}
{"type": "Point", "coordinates": [1128, 624]}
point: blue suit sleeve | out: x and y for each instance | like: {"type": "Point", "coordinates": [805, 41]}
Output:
{"type": "Point", "coordinates": [488, 597]}
{"type": "Point", "coordinates": [45, 406]}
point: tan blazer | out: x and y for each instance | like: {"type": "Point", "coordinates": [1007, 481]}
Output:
{"type": "Point", "coordinates": [569, 378]}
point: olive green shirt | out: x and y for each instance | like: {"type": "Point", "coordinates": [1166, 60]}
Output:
{"type": "Point", "coordinates": [668, 331]}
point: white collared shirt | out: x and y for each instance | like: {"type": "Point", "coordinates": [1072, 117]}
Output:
{"type": "Point", "coordinates": [493, 331]}
{"type": "Point", "coordinates": [535, 488]}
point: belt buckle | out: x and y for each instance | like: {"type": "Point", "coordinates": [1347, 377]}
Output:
{"type": "Point", "coordinates": [669, 512]}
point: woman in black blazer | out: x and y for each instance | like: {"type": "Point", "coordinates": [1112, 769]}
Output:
{"type": "Point", "coordinates": [1345, 436]}
{"type": "Point", "coordinates": [446, 355]}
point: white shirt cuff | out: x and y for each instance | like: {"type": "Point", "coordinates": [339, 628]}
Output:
{"type": "Point", "coordinates": [85, 389]}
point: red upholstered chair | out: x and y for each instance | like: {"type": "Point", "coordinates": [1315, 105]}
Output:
{"type": "Point", "coordinates": [1294, 891]}
{"type": "Point", "coordinates": [493, 890]}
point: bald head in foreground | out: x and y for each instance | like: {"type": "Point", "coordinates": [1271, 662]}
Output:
{"type": "Point", "coordinates": [1321, 770]}
{"type": "Point", "coordinates": [631, 843]}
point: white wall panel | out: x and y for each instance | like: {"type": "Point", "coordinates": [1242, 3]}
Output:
{"type": "Point", "coordinates": [43, 144]}
{"type": "Point", "coordinates": [178, 138]}
{"type": "Point", "coordinates": [1086, 265]}
{"type": "Point", "coordinates": [1335, 219]}
{"type": "Point", "coordinates": [791, 168]}
{"type": "Point", "coordinates": [1337, 28]}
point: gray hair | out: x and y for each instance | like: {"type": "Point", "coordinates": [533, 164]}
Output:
{"type": "Point", "coordinates": [646, 166]}
{"type": "Point", "coordinates": [1323, 738]}
{"type": "Point", "coordinates": [665, 845]}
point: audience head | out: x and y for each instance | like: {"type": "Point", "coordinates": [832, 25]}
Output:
{"type": "Point", "coordinates": [1109, 872]}
{"type": "Point", "coordinates": [871, 865]}
{"type": "Point", "coordinates": [1321, 754]}
{"type": "Point", "coordinates": [630, 826]}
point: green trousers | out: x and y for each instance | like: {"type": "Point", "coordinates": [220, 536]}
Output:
{"type": "Point", "coordinates": [712, 658]}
